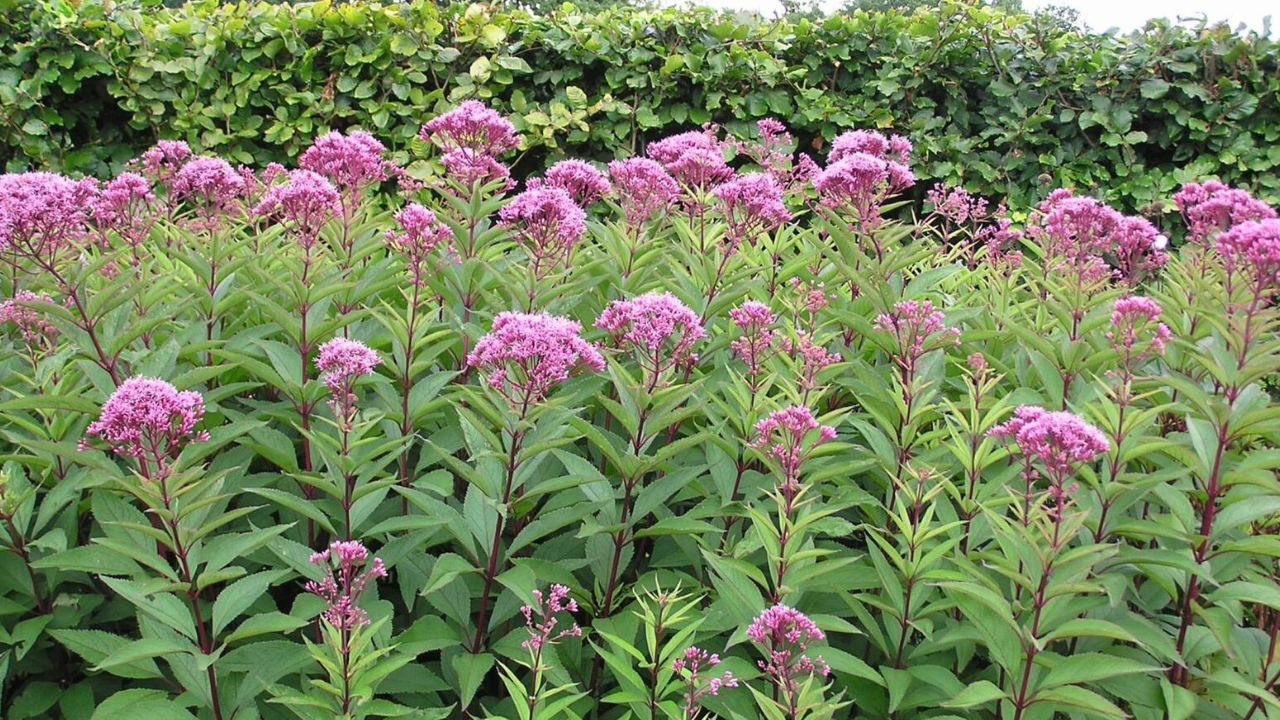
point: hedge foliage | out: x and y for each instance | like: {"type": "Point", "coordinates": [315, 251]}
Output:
{"type": "Point", "coordinates": [1029, 105]}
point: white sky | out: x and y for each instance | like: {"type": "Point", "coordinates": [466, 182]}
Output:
{"type": "Point", "coordinates": [1098, 14]}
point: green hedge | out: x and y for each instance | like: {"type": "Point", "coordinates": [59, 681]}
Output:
{"type": "Point", "coordinates": [1007, 104]}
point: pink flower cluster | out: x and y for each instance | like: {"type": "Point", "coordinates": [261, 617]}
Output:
{"type": "Point", "coordinates": [344, 582]}
{"type": "Point", "coordinates": [869, 142]}
{"type": "Point", "coordinates": [1211, 207]}
{"type": "Point", "coordinates": [643, 188]}
{"type": "Point", "coordinates": [547, 223]}
{"type": "Point", "coordinates": [917, 329]}
{"type": "Point", "coordinates": [755, 346]}
{"type": "Point", "coordinates": [784, 436]}
{"type": "Point", "coordinates": [211, 186]}
{"type": "Point", "coordinates": [420, 234]}
{"type": "Point", "coordinates": [857, 182]}
{"type": "Point", "coordinates": [471, 126]}
{"type": "Point", "coordinates": [584, 183]}
{"type": "Point", "coordinates": [303, 204]}
{"type": "Point", "coordinates": [772, 151]}
{"type": "Point", "coordinates": [785, 635]}
{"type": "Point", "coordinates": [124, 205]}
{"type": "Point", "coordinates": [656, 328]}
{"type": "Point", "coordinates": [472, 137]}
{"type": "Point", "coordinates": [1251, 252]}
{"type": "Point", "coordinates": [752, 205]}
{"type": "Point", "coordinates": [695, 159]}
{"type": "Point", "coordinates": [1079, 233]}
{"type": "Point", "coordinates": [43, 214]}
{"type": "Point", "coordinates": [1057, 440]}
{"type": "Point", "coordinates": [525, 355]}
{"type": "Point", "coordinates": [812, 356]}
{"type": "Point", "coordinates": [956, 204]}
{"type": "Point", "coordinates": [540, 620]}
{"type": "Point", "coordinates": [1136, 324]}
{"type": "Point", "coordinates": [38, 332]}
{"type": "Point", "coordinates": [149, 419]}
{"type": "Point", "coordinates": [690, 667]}
{"type": "Point", "coordinates": [342, 363]}
{"type": "Point", "coordinates": [162, 162]}
{"type": "Point", "coordinates": [353, 162]}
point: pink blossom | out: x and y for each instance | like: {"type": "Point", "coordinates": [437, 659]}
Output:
{"type": "Point", "coordinates": [584, 183]}
{"type": "Point", "coordinates": [468, 167]}
{"type": "Point", "coordinates": [124, 205]}
{"type": "Point", "coordinates": [162, 162]}
{"type": "Point", "coordinates": [344, 582]}
{"type": "Point", "coordinates": [956, 204]}
{"type": "Point", "coordinates": [211, 186]}
{"type": "Point", "coordinates": [656, 328]}
{"type": "Point", "coordinates": [695, 159]}
{"type": "Point", "coordinates": [541, 621]}
{"type": "Point", "coordinates": [785, 635]}
{"type": "Point", "coordinates": [812, 356]}
{"type": "Point", "coordinates": [1002, 242]}
{"type": "Point", "coordinates": [690, 667]}
{"type": "Point", "coordinates": [149, 419]}
{"type": "Point", "coordinates": [1136, 324]}
{"type": "Point", "coordinates": [642, 188]}
{"type": "Point", "coordinates": [772, 150]}
{"type": "Point", "coordinates": [859, 183]}
{"type": "Point", "coordinates": [755, 346]}
{"type": "Point", "coordinates": [525, 355]}
{"type": "Point", "coordinates": [784, 436]}
{"type": "Point", "coordinates": [353, 162]}
{"type": "Point", "coordinates": [1058, 440]}
{"type": "Point", "coordinates": [342, 362]}
{"type": "Point", "coordinates": [547, 223]}
{"type": "Point", "coordinates": [1137, 249]}
{"type": "Point", "coordinates": [1212, 207]}
{"type": "Point", "coordinates": [1251, 252]}
{"type": "Point", "coordinates": [917, 329]}
{"type": "Point", "coordinates": [752, 205]}
{"type": "Point", "coordinates": [471, 126]}
{"type": "Point", "coordinates": [24, 311]}
{"type": "Point", "coordinates": [44, 213]}
{"type": "Point", "coordinates": [420, 234]}
{"type": "Point", "coordinates": [303, 204]}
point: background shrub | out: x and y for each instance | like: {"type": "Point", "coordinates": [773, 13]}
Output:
{"type": "Point", "coordinates": [1028, 103]}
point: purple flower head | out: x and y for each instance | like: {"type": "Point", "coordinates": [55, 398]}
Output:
{"type": "Point", "coordinates": [1212, 207]}
{"type": "Point", "coordinates": [420, 234]}
{"type": "Point", "coordinates": [1251, 253]}
{"type": "Point", "coordinates": [917, 329]}
{"type": "Point", "coordinates": [124, 205]}
{"type": "Point", "coordinates": [755, 346]}
{"type": "Point", "coordinates": [956, 204]}
{"type": "Point", "coordinates": [695, 159]}
{"type": "Point", "coordinates": [656, 328]}
{"type": "Point", "coordinates": [541, 621]}
{"type": "Point", "coordinates": [1137, 249]}
{"type": "Point", "coordinates": [642, 188]}
{"type": "Point", "coordinates": [149, 419]}
{"type": "Point", "coordinates": [772, 150]}
{"type": "Point", "coordinates": [584, 183]}
{"type": "Point", "coordinates": [525, 355]}
{"type": "Point", "coordinates": [691, 666]}
{"type": "Point", "coordinates": [211, 186]}
{"type": "Point", "coordinates": [547, 223]}
{"type": "Point", "coordinates": [785, 634]}
{"type": "Point", "coordinates": [784, 436]}
{"type": "Point", "coordinates": [342, 362]}
{"type": "Point", "coordinates": [302, 204]}
{"type": "Point", "coordinates": [24, 312]}
{"type": "Point", "coordinates": [1136, 329]}
{"type": "Point", "coordinates": [859, 183]}
{"type": "Point", "coordinates": [471, 126]}
{"type": "Point", "coordinates": [162, 162]}
{"type": "Point", "coordinates": [468, 167]}
{"type": "Point", "coordinates": [344, 582]}
{"type": "Point", "coordinates": [1057, 440]}
{"type": "Point", "coordinates": [353, 162]}
{"type": "Point", "coordinates": [752, 205]}
{"type": "Point", "coordinates": [44, 213]}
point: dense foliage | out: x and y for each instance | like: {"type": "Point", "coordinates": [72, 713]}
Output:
{"type": "Point", "coordinates": [1008, 105]}
{"type": "Point", "coordinates": [717, 432]}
